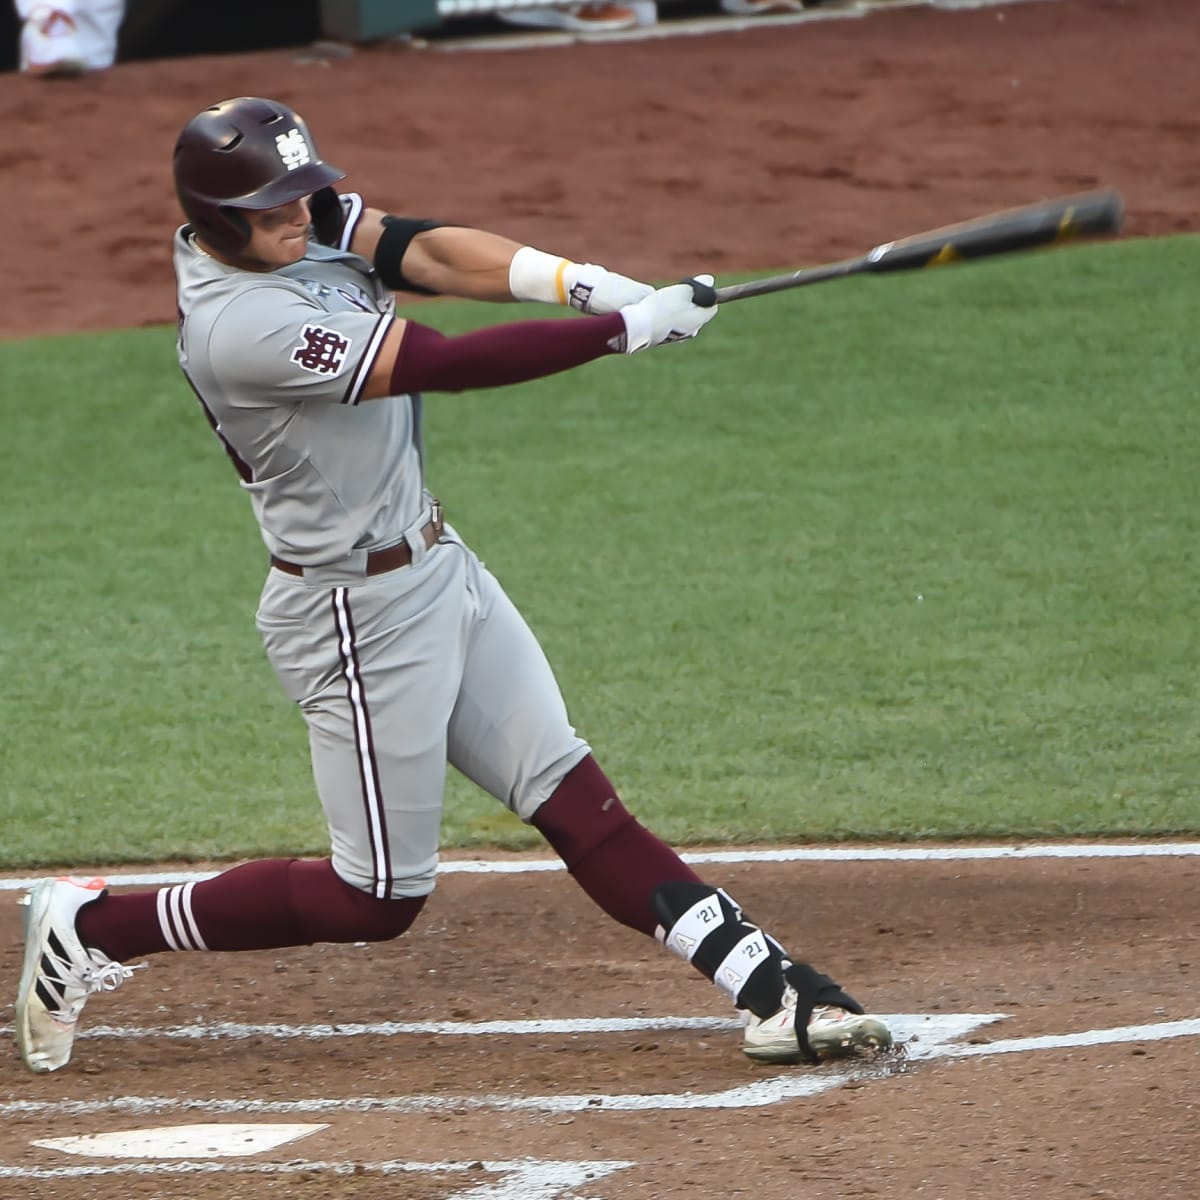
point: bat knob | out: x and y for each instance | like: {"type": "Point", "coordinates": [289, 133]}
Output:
{"type": "Point", "coordinates": [704, 295]}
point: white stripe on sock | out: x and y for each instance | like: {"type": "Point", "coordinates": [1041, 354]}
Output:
{"type": "Point", "coordinates": [177, 918]}
{"type": "Point", "coordinates": [193, 929]}
{"type": "Point", "coordinates": [164, 920]}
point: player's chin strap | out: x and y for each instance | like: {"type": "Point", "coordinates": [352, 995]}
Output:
{"type": "Point", "coordinates": [704, 926]}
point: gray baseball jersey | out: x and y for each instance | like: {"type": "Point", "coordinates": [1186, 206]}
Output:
{"type": "Point", "coordinates": [279, 362]}
{"type": "Point", "coordinates": [396, 673]}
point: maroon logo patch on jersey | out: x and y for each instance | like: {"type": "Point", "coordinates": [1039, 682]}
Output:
{"type": "Point", "coordinates": [322, 350]}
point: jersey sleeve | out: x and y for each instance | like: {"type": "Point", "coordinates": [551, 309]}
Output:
{"type": "Point", "coordinates": [273, 346]}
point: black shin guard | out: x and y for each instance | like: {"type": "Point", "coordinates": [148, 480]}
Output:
{"type": "Point", "coordinates": [703, 926]}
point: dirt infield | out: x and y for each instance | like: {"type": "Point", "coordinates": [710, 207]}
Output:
{"type": "Point", "coordinates": [762, 149]}
{"type": "Point", "coordinates": [1060, 947]}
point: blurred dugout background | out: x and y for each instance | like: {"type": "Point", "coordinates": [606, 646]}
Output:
{"type": "Point", "coordinates": [172, 28]}
{"type": "Point", "coordinates": [175, 28]}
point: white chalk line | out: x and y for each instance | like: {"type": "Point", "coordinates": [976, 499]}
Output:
{"type": "Point", "coordinates": [530, 1180]}
{"type": "Point", "coordinates": [237, 1031]}
{"type": "Point", "coordinates": [925, 1038]}
{"type": "Point", "coordinates": [1159, 1032]}
{"type": "Point", "coordinates": [920, 1032]}
{"type": "Point", "coordinates": [899, 854]}
{"type": "Point", "coordinates": [521, 1180]}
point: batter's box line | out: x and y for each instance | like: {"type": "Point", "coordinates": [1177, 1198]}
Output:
{"type": "Point", "coordinates": [786, 1085]}
{"type": "Point", "coordinates": [569, 1026]}
{"type": "Point", "coordinates": [898, 854]}
{"type": "Point", "coordinates": [937, 1026]}
{"type": "Point", "coordinates": [527, 1179]}
{"type": "Point", "coordinates": [914, 1030]}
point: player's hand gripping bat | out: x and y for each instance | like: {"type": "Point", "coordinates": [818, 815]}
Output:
{"type": "Point", "coordinates": [1088, 214]}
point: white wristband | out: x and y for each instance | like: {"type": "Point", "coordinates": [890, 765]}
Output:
{"type": "Point", "coordinates": [535, 275]}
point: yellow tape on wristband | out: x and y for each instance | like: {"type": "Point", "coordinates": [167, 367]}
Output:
{"type": "Point", "coordinates": [560, 286]}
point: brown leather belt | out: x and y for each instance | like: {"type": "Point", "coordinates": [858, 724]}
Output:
{"type": "Point", "coordinates": [381, 561]}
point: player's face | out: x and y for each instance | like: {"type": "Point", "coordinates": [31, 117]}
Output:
{"type": "Point", "coordinates": [279, 236]}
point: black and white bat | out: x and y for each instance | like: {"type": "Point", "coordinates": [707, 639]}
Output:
{"type": "Point", "coordinates": [1087, 214]}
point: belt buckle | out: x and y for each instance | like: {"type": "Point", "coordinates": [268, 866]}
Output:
{"type": "Point", "coordinates": [436, 519]}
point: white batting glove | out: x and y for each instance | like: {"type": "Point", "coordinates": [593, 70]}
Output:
{"type": "Point", "coordinates": [535, 275]}
{"type": "Point", "coordinates": [592, 289]}
{"type": "Point", "coordinates": [667, 315]}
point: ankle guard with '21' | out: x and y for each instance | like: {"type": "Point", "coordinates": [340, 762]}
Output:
{"type": "Point", "coordinates": [703, 926]}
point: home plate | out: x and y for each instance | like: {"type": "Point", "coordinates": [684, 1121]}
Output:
{"type": "Point", "coordinates": [182, 1141]}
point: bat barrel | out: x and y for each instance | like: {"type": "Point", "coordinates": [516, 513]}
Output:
{"type": "Point", "coordinates": [1088, 214]}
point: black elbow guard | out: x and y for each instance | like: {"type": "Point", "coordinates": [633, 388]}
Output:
{"type": "Point", "coordinates": [398, 232]}
{"type": "Point", "coordinates": [328, 216]}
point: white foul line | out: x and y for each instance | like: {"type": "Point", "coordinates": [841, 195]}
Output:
{"type": "Point", "coordinates": [793, 854]}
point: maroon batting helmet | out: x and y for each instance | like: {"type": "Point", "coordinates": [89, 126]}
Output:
{"type": "Point", "coordinates": [246, 153]}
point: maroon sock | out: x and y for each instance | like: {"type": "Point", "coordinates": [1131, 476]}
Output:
{"type": "Point", "coordinates": [615, 860]}
{"type": "Point", "coordinates": [259, 906]}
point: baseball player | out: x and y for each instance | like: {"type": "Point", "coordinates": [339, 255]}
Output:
{"type": "Point", "coordinates": [400, 648]}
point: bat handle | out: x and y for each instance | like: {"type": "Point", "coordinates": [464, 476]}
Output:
{"type": "Point", "coordinates": [704, 295]}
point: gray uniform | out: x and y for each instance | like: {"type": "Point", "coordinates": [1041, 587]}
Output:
{"type": "Point", "coordinates": [396, 673]}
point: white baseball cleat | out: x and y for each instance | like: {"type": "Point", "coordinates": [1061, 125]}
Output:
{"type": "Point", "coordinates": [59, 973]}
{"type": "Point", "coordinates": [832, 1033]}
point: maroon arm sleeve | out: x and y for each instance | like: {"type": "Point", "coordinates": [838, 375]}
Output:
{"type": "Point", "coordinates": [429, 361]}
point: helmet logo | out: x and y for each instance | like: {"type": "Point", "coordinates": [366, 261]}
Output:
{"type": "Point", "coordinates": [293, 149]}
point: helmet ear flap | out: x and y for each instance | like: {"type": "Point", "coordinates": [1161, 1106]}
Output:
{"type": "Point", "coordinates": [223, 228]}
{"type": "Point", "coordinates": [238, 221]}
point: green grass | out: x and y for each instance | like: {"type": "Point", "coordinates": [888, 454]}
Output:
{"type": "Point", "coordinates": [912, 557]}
